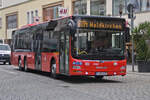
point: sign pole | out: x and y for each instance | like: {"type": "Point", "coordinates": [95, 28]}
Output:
{"type": "Point", "coordinates": [130, 9]}
{"type": "Point", "coordinates": [132, 26]}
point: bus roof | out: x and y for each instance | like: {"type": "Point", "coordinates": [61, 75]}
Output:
{"type": "Point", "coordinates": [95, 16]}
{"type": "Point", "coordinates": [74, 17]}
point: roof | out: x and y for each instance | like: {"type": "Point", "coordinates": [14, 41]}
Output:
{"type": "Point", "coordinates": [95, 16]}
{"type": "Point", "coordinates": [73, 16]}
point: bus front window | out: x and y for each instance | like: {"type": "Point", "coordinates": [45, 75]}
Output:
{"type": "Point", "coordinates": [97, 44]}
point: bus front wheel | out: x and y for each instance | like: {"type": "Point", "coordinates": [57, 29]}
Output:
{"type": "Point", "coordinates": [25, 66]}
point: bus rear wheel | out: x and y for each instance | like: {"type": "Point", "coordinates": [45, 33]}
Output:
{"type": "Point", "coordinates": [53, 70]}
{"type": "Point", "coordinates": [19, 64]}
{"type": "Point", "coordinates": [4, 63]}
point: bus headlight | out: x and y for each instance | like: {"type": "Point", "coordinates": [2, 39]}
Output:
{"type": "Point", "coordinates": [76, 67]}
{"type": "Point", "coordinates": [123, 67]}
{"type": "Point", "coordinates": [115, 64]}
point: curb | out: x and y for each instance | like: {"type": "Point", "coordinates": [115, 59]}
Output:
{"type": "Point", "coordinates": [137, 73]}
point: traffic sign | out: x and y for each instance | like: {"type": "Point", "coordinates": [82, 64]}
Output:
{"type": "Point", "coordinates": [130, 9]}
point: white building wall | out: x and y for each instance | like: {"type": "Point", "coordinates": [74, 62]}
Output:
{"type": "Point", "coordinates": [7, 3]}
{"type": "Point", "coordinates": [0, 3]}
{"type": "Point", "coordinates": [108, 7]}
{"type": "Point", "coordinates": [140, 17]}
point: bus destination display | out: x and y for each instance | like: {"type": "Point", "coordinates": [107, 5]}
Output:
{"type": "Point", "coordinates": [90, 24]}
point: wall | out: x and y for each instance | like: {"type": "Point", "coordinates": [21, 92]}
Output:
{"type": "Point", "coordinates": [109, 7]}
{"type": "Point", "coordinates": [140, 18]}
{"type": "Point", "coordinates": [22, 10]}
{"type": "Point", "coordinates": [7, 3]}
{"type": "Point", "coordinates": [33, 5]}
{"type": "Point", "coordinates": [0, 3]}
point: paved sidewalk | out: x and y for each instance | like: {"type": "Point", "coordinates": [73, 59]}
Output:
{"type": "Point", "coordinates": [129, 70]}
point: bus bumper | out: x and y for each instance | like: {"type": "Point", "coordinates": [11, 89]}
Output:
{"type": "Point", "coordinates": [98, 73]}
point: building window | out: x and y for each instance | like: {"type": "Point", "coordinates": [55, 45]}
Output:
{"type": "Point", "coordinates": [119, 4]}
{"type": "Point", "coordinates": [145, 5]}
{"type": "Point", "coordinates": [51, 12]}
{"type": "Point", "coordinates": [137, 4]}
{"type": "Point", "coordinates": [11, 21]}
{"type": "Point", "coordinates": [140, 5]}
{"type": "Point", "coordinates": [36, 13]}
{"type": "Point", "coordinates": [97, 7]}
{"type": "Point", "coordinates": [0, 3]}
{"type": "Point", "coordinates": [80, 7]}
{"type": "Point", "coordinates": [32, 17]}
{"type": "Point", "coordinates": [0, 23]}
{"type": "Point", "coordinates": [28, 18]}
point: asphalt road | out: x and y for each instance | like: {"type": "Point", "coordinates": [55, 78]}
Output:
{"type": "Point", "coordinates": [33, 85]}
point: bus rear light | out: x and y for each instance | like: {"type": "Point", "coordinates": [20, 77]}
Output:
{"type": "Point", "coordinates": [76, 67]}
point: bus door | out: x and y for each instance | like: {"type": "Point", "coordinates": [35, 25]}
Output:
{"type": "Point", "coordinates": [38, 43]}
{"type": "Point", "coordinates": [64, 53]}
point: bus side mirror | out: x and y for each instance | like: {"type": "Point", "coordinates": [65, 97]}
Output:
{"type": "Point", "coordinates": [72, 26]}
{"type": "Point", "coordinates": [127, 34]}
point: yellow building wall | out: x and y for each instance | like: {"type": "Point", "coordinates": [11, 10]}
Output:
{"type": "Point", "coordinates": [22, 10]}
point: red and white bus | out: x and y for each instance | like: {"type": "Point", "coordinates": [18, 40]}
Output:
{"type": "Point", "coordinates": [72, 46]}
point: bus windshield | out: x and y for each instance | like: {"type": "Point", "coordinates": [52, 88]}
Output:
{"type": "Point", "coordinates": [97, 44]}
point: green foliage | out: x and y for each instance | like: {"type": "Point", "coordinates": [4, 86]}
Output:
{"type": "Point", "coordinates": [141, 36]}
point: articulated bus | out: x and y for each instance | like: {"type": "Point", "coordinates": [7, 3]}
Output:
{"type": "Point", "coordinates": [72, 46]}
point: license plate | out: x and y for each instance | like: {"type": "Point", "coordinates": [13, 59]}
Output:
{"type": "Point", "coordinates": [101, 73]}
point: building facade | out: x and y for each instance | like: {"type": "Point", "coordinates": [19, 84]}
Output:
{"type": "Point", "coordinates": [142, 9]}
{"type": "Point", "coordinates": [1, 4]}
{"type": "Point", "coordinates": [18, 14]}
{"type": "Point", "coordinates": [7, 3]}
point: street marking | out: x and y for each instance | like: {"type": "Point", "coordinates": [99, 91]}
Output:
{"type": "Point", "coordinates": [8, 71]}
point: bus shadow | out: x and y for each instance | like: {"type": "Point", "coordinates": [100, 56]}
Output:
{"type": "Point", "coordinates": [87, 79]}
{"type": "Point", "coordinates": [35, 72]}
{"type": "Point", "coordinates": [74, 79]}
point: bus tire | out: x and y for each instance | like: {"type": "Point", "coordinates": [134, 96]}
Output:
{"type": "Point", "coordinates": [99, 77]}
{"type": "Point", "coordinates": [19, 64]}
{"type": "Point", "coordinates": [53, 69]}
{"type": "Point", "coordinates": [25, 66]}
{"type": "Point", "coordinates": [9, 63]}
{"type": "Point", "coordinates": [4, 63]}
